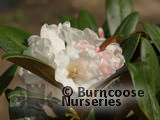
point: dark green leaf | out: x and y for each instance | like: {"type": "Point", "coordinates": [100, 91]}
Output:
{"type": "Point", "coordinates": [113, 14]}
{"type": "Point", "coordinates": [126, 8]}
{"type": "Point", "coordinates": [35, 66]}
{"type": "Point", "coordinates": [130, 46]}
{"type": "Point", "coordinates": [83, 23]}
{"type": "Point", "coordinates": [148, 104]}
{"type": "Point", "coordinates": [128, 26]}
{"type": "Point", "coordinates": [116, 11]}
{"type": "Point", "coordinates": [91, 115]}
{"type": "Point", "coordinates": [106, 29]}
{"type": "Point", "coordinates": [148, 80]}
{"type": "Point", "coordinates": [86, 20]}
{"type": "Point", "coordinates": [74, 23]}
{"type": "Point", "coordinates": [152, 74]}
{"type": "Point", "coordinates": [12, 40]}
{"type": "Point", "coordinates": [64, 18]}
{"type": "Point", "coordinates": [7, 77]}
{"type": "Point", "coordinates": [154, 33]}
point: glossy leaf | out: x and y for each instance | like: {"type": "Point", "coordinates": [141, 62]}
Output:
{"type": "Point", "coordinates": [13, 40]}
{"type": "Point", "coordinates": [128, 26]}
{"type": "Point", "coordinates": [64, 18]}
{"type": "Point", "coordinates": [148, 80]}
{"type": "Point", "coordinates": [35, 66]}
{"type": "Point", "coordinates": [86, 20]}
{"type": "Point", "coordinates": [113, 15]}
{"type": "Point", "coordinates": [154, 33]}
{"type": "Point", "coordinates": [116, 11]}
{"type": "Point", "coordinates": [7, 77]}
{"type": "Point", "coordinates": [129, 47]}
{"type": "Point", "coordinates": [106, 29]}
{"type": "Point", "coordinates": [126, 8]}
{"type": "Point", "coordinates": [148, 102]}
{"type": "Point", "coordinates": [152, 74]}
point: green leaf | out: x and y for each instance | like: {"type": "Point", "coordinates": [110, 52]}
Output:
{"type": "Point", "coordinates": [128, 26]}
{"type": "Point", "coordinates": [34, 65]}
{"type": "Point", "coordinates": [113, 14]}
{"type": "Point", "coordinates": [154, 33]}
{"type": "Point", "coordinates": [91, 115]}
{"type": "Point", "coordinates": [12, 40]}
{"type": "Point", "coordinates": [129, 47]}
{"type": "Point", "coordinates": [106, 29]}
{"type": "Point", "coordinates": [116, 11]}
{"type": "Point", "coordinates": [86, 20]}
{"type": "Point", "coordinates": [152, 74]}
{"type": "Point", "coordinates": [83, 23]}
{"type": "Point", "coordinates": [64, 18]}
{"type": "Point", "coordinates": [126, 8]}
{"type": "Point", "coordinates": [148, 104]}
{"type": "Point", "coordinates": [74, 23]}
{"type": "Point", "coordinates": [7, 77]}
{"type": "Point", "coordinates": [148, 80]}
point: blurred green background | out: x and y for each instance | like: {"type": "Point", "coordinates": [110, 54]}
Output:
{"type": "Point", "coordinates": [31, 14]}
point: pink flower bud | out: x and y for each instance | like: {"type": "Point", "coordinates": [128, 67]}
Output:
{"type": "Point", "coordinates": [101, 32]}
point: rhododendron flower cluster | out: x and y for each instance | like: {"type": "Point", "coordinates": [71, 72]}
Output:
{"type": "Point", "coordinates": [75, 55]}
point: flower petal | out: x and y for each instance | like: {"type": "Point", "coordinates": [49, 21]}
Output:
{"type": "Point", "coordinates": [62, 60]}
{"type": "Point", "coordinates": [71, 35]}
{"type": "Point", "coordinates": [114, 48]}
{"type": "Point", "coordinates": [92, 37]}
{"type": "Point", "coordinates": [51, 32]}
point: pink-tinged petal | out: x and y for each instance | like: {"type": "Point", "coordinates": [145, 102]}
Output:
{"type": "Point", "coordinates": [84, 45]}
{"type": "Point", "coordinates": [114, 48]}
{"type": "Point", "coordinates": [120, 61]}
{"type": "Point", "coordinates": [111, 60]}
{"type": "Point", "coordinates": [107, 66]}
{"type": "Point", "coordinates": [101, 32]}
{"type": "Point", "coordinates": [105, 54]}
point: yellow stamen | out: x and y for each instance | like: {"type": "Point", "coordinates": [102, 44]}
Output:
{"type": "Point", "coordinates": [72, 72]}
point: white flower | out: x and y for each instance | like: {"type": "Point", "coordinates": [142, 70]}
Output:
{"type": "Point", "coordinates": [73, 35]}
{"type": "Point", "coordinates": [78, 68]}
{"type": "Point", "coordinates": [79, 64]}
{"type": "Point", "coordinates": [44, 48]}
